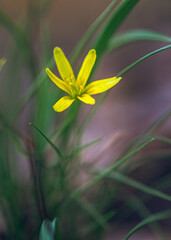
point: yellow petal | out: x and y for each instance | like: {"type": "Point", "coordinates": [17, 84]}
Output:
{"type": "Point", "coordinates": [86, 99]}
{"type": "Point", "coordinates": [63, 65]}
{"type": "Point", "coordinates": [86, 68]}
{"type": "Point", "coordinates": [63, 104]}
{"type": "Point", "coordinates": [61, 84]}
{"type": "Point", "coordinates": [2, 62]}
{"type": "Point", "coordinates": [101, 85]}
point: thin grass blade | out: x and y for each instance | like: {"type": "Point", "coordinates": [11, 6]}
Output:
{"type": "Point", "coordinates": [133, 36]}
{"type": "Point", "coordinates": [108, 170]}
{"type": "Point", "coordinates": [153, 218]}
{"type": "Point", "coordinates": [124, 71]}
{"type": "Point", "coordinates": [139, 186]}
{"type": "Point", "coordinates": [48, 140]}
{"type": "Point", "coordinates": [87, 36]}
{"type": "Point", "coordinates": [113, 23]}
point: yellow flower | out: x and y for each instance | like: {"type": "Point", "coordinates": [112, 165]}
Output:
{"type": "Point", "coordinates": [76, 88]}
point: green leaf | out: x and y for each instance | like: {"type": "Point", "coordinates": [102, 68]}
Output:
{"type": "Point", "coordinates": [153, 218]}
{"type": "Point", "coordinates": [125, 38]}
{"type": "Point", "coordinates": [80, 46]}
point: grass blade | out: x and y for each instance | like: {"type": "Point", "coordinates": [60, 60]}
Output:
{"type": "Point", "coordinates": [94, 213]}
{"type": "Point", "coordinates": [48, 140]}
{"type": "Point", "coordinates": [153, 218]}
{"type": "Point", "coordinates": [108, 170]}
{"type": "Point", "coordinates": [134, 36]}
{"type": "Point", "coordinates": [124, 71]}
{"type": "Point", "coordinates": [112, 25]}
{"type": "Point", "coordinates": [80, 46]}
{"type": "Point", "coordinates": [135, 184]}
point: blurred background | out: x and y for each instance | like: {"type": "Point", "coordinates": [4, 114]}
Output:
{"type": "Point", "coordinates": [130, 107]}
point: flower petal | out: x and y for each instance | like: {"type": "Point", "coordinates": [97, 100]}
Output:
{"type": "Point", "coordinates": [61, 84]}
{"type": "Point", "coordinates": [2, 62]}
{"type": "Point", "coordinates": [63, 65]}
{"type": "Point", "coordinates": [63, 104]}
{"type": "Point", "coordinates": [86, 68]}
{"type": "Point", "coordinates": [86, 99]}
{"type": "Point", "coordinates": [101, 85]}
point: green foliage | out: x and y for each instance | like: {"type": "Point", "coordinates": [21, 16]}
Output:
{"type": "Point", "coordinates": [42, 166]}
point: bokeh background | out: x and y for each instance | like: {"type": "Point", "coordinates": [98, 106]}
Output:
{"type": "Point", "coordinates": [132, 105]}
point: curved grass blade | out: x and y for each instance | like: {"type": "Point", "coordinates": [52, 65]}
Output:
{"type": "Point", "coordinates": [108, 170]}
{"type": "Point", "coordinates": [153, 218]}
{"type": "Point", "coordinates": [80, 46]}
{"type": "Point", "coordinates": [133, 36]}
{"type": "Point", "coordinates": [140, 208]}
{"type": "Point", "coordinates": [48, 140]}
{"type": "Point", "coordinates": [139, 186]}
{"type": "Point", "coordinates": [124, 71]}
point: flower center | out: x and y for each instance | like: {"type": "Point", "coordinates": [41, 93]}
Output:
{"type": "Point", "coordinates": [75, 90]}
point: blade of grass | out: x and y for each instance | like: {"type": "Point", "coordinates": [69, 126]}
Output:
{"type": "Point", "coordinates": [133, 36]}
{"type": "Point", "coordinates": [158, 122]}
{"type": "Point", "coordinates": [93, 226]}
{"type": "Point", "coordinates": [48, 140]}
{"type": "Point", "coordinates": [148, 132]}
{"type": "Point", "coordinates": [87, 36]}
{"type": "Point", "coordinates": [94, 213]}
{"type": "Point", "coordinates": [123, 72]}
{"type": "Point", "coordinates": [137, 185]}
{"type": "Point", "coordinates": [112, 25]}
{"type": "Point", "coordinates": [136, 203]}
{"type": "Point", "coordinates": [108, 170]}
{"type": "Point", "coordinates": [153, 218]}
